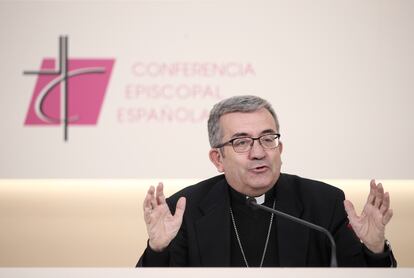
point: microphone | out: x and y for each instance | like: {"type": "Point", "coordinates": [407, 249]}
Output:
{"type": "Point", "coordinates": [251, 202]}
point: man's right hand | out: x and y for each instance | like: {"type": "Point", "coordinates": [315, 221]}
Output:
{"type": "Point", "coordinates": [162, 226]}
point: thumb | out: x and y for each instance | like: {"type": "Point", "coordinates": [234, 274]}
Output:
{"type": "Point", "coordinates": [180, 208]}
{"type": "Point", "coordinates": [350, 210]}
{"type": "Point", "coordinates": [387, 217]}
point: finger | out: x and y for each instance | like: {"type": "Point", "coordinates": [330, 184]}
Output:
{"type": "Point", "coordinates": [151, 195]}
{"type": "Point", "coordinates": [385, 203]}
{"type": "Point", "coordinates": [160, 194]}
{"type": "Point", "coordinates": [379, 196]}
{"type": "Point", "coordinates": [180, 208]}
{"type": "Point", "coordinates": [147, 204]}
{"type": "Point", "coordinates": [148, 197]}
{"type": "Point", "coordinates": [350, 210]}
{"type": "Point", "coordinates": [387, 217]}
{"type": "Point", "coordinates": [371, 195]}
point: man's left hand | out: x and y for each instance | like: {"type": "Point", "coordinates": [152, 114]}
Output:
{"type": "Point", "coordinates": [370, 225]}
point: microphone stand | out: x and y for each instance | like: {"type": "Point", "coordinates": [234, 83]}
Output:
{"type": "Point", "coordinates": [252, 203]}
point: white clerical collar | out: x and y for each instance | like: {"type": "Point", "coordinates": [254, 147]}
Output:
{"type": "Point", "coordinates": [259, 199]}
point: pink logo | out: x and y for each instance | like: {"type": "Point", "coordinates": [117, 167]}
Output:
{"type": "Point", "coordinates": [68, 92]}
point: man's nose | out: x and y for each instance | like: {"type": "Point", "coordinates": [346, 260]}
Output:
{"type": "Point", "coordinates": [256, 150]}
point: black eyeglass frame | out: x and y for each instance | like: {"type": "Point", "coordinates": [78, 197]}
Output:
{"type": "Point", "coordinates": [230, 142]}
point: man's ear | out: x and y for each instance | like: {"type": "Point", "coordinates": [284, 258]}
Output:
{"type": "Point", "coordinates": [280, 147]}
{"type": "Point", "coordinates": [217, 158]}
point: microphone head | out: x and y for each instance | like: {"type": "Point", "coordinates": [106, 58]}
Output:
{"type": "Point", "coordinates": [251, 201]}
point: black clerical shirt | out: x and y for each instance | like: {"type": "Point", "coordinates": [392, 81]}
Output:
{"type": "Point", "coordinates": [252, 226]}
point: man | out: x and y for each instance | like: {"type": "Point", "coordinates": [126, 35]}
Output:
{"type": "Point", "coordinates": [209, 224]}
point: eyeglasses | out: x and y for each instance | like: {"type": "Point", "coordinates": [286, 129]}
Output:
{"type": "Point", "coordinates": [245, 144]}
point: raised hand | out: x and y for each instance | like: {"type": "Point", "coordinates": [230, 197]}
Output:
{"type": "Point", "coordinates": [370, 225]}
{"type": "Point", "coordinates": [162, 226]}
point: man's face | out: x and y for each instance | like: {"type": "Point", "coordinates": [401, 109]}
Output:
{"type": "Point", "coordinates": [253, 172]}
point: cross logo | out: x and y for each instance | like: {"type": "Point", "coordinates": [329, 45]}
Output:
{"type": "Point", "coordinates": [68, 92]}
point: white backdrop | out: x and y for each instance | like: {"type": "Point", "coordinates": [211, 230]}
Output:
{"type": "Point", "coordinates": [340, 75]}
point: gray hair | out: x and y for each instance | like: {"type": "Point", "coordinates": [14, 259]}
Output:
{"type": "Point", "coordinates": [245, 104]}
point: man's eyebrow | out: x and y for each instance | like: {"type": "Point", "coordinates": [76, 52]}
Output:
{"type": "Point", "coordinates": [267, 131]}
{"type": "Point", "coordinates": [244, 134]}
{"type": "Point", "coordinates": [240, 134]}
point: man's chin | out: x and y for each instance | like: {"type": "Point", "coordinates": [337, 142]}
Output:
{"type": "Point", "coordinates": [262, 181]}
{"type": "Point", "coordinates": [261, 184]}
{"type": "Point", "coordinates": [261, 177]}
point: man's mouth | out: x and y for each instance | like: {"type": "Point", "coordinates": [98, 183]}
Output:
{"type": "Point", "coordinates": [259, 169]}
